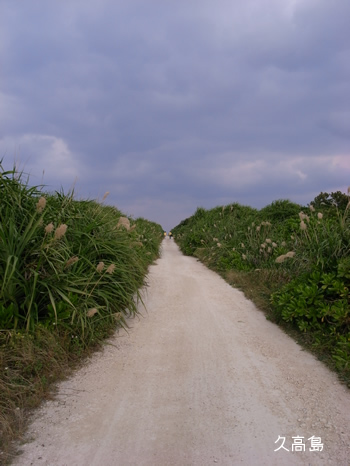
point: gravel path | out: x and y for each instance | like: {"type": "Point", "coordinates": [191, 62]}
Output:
{"type": "Point", "coordinates": [202, 378]}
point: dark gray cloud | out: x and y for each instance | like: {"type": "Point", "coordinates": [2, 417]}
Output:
{"type": "Point", "coordinates": [171, 105]}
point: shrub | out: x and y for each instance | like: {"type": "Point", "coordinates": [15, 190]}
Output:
{"type": "Point", "coordinates": [70, 274]}
{"type": "Point", "coordinates": [50, 248]}
{"type": "Point", "coordinates": [306, 250]}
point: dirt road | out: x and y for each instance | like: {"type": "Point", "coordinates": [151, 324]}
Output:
{"type": "Point", "coordinates": [202, 378]}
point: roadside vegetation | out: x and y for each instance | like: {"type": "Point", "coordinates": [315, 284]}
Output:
{"type": "Point", "coordinates": [70, 274]}
{"type": "Point", "coordinates": [293, 261]}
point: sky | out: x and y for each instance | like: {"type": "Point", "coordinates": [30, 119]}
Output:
{"type": "Point", "coordinates": [173, 105]}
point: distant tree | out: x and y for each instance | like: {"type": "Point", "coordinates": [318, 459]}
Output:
{"type": "Point", "coordinates": [325, 201]}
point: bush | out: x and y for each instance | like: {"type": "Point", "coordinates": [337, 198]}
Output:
{"type": "Point", "coordinates": [70, 274]}
{"type": "Point", "coordinates": [280, 210]}
{"type": "Point", "coordinates": [305, 249]}
{"type": "Point", "coordinates": [68, 263]}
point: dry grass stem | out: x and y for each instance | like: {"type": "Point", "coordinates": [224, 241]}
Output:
{"type": "Point", "coordinates": [290, 254]}
{"type": "Point", "coordinates": [71, 261]}
{"type": "Point", "coordinates": [110, 269]}
{"type": "Point", "coordinates": [40, 206]}
{"type": "Point", "coordinates": [100, 266]}
{"type": "Point", "coordinates": [49, 228]}
{"type": "Point", "coordinates": [303, 225]}
{"type": "Point", "coordinates": [124, 222]}
{"type": "Point", "coordinates": [60, 231]}
{"type": "Point", "coordinates": [91, 312]}
{"type": "Point", "coordinates": [280, 259]}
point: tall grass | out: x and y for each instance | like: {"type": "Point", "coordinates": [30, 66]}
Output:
{"type": "Point", "coordinates": [70, 272]}
{"type": "Point", "coordinates": [50, 250]}
{"type": "Point", "coordinates": [293, 260]}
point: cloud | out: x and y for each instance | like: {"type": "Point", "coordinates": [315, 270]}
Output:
{"type": "Point", "coordinates": [186, 102]}
{"type": "Point", "coordinates": [38, 154]}
{"type": "Point", "coordinates": [338, 123]}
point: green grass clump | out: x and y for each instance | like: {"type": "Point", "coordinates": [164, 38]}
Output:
{"type": "Point", "coordinates": [292, 260]}
{"type": "Point", "coordinates": [70, 273]}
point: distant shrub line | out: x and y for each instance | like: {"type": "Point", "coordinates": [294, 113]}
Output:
{"type": "Point", "coordinates": [297, 257]}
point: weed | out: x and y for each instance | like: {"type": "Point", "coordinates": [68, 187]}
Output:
{"type": "Point", "coordinates": [292, 261]}
{"type": "Point", "coordinates": [67, 268]}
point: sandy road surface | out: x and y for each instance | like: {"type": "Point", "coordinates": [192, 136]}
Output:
{"type": "Point", "coordinates": [201, 379]}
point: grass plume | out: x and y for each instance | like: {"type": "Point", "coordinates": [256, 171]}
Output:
{"type": "Point", "coordinates": [296, 266]}
{"type": "Point", "coordinates": [54, 307]}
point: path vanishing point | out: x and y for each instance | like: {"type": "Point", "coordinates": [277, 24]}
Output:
{"type": "Point", "coordinates": [201, 378]}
